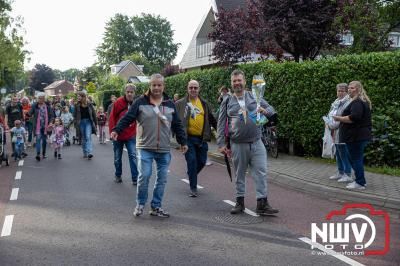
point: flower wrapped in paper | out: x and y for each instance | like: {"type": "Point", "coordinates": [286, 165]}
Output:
{"type": "Point", "coordinates": [258, 89]}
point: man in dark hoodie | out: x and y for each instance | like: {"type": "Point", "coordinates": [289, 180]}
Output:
{"type": "Point", "coordinates": [127, 137]}
{"type": "Point", "coordinates": [155, 116]}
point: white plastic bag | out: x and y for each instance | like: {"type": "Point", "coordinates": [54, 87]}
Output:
{"type": "Point", "coordinates": [327, 144]}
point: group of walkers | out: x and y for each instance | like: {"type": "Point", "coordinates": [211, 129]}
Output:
{"type": "Point", "coordinates": [49, 121]}
{"type": "Point", "coordinates": [190, 119]}
{"type": "Point", "coordinates": [144, 125]}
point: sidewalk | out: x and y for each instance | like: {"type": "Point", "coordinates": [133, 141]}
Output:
{"type": "Point", "coordinates": [313, 177]}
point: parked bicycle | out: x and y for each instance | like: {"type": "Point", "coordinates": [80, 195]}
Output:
{"type": "Point", "coordinates": [270, 139]}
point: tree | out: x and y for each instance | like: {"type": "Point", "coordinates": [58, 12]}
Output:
{"type": "Point", "coordinates": [119, 40]}
{"type": "Point", "coordinates": [71, 73]}
{"type": "Point", "coordinates": [149, 36]}
{"type": "Point", "coordinates": [269, 27]}
{"type": "Point", "coordinates": [238, 34]}
{"type": "Point", "coordinates": [170, 70]}
{"type": "Point", "coordinates": [40, 77]}
{"type": "Point", "coordinates": [302, 28]}
{"type": "Point", "coordinates": [12, 54]}
{"type": "Point", "coordinates": [58, 74]}
{"type": "Point", "coordinates": [155, 37]}
{"type": "Point", "coordinates": [90, 87]}
{"type": "Point", "coordinates": [369, 22]}
{"type": "Point", "coordinates": [148, 67]}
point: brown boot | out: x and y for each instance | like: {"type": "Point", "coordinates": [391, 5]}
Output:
{"type": "Point", "coordinates": [263, 207]}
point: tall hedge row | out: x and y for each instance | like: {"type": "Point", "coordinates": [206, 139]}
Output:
{"type": "Point", "coordinates": [302, 94]}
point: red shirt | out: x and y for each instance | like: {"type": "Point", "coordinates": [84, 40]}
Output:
{"type": "Point", "coordinates": [120, 107]}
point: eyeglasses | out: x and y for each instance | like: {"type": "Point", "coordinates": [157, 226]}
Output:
{"type": "Point", "coordinates": [193, 88]}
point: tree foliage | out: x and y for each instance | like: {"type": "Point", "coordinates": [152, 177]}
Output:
{"type": "Point", "coordinates": [266, 27]}
{"type": "Point", "coordinates": [148, 36]}
{"type": "Point", "coordinates": [40, 77]}
{"type": "Point", "coordinates": [155, 37]}
{"type": "Point", "coordinates": [148, 66]}
{"type": "Point", "coordinates": [71, 73]}
{"type": "Point", "coordinates": [240, 33]}
{"type": "Point", "coordinates": [12, 54]}
{"type": "Point", "coordinates": [119, 40]}
{"type": "Point", "coordinates": [370, 22]}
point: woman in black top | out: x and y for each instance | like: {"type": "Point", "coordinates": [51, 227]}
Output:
{"type": "Point", "coordinates": [86, 120]}
{"type": "Point", "coordinates": [355, 130]}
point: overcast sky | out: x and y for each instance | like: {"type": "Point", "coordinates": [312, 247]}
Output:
{"type": "Point", "coordinates": [64, 33]}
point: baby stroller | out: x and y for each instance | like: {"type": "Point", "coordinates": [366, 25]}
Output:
{"type": "Point", "coordinates": [66, 135]}
{"type": "Point", "coordinates": [3, 147]}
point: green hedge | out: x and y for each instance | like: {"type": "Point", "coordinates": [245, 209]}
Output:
{"type": "Point", "coordinates": [103, 97]}
{"type": "Point", "coordinates": [302, 94]}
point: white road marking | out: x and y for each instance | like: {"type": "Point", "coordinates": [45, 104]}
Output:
{"type": "Point", "coordinates": [18, 175]}
{"type": "Point", "coordinates": [331, 252]}
{"type": "Point", "coordinates": [249, 212]}
{"type": "Point", "coordinates": [8, 221]}
{"type": "Point", "coordinates": [21, 163]}
{"type": "Point", "coordinates": [14, 194]}
{"type": "Point", "coordinates": [187, 182]}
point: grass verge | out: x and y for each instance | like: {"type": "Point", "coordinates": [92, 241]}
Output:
{"type": "Point", "coordinates": [386, 170]}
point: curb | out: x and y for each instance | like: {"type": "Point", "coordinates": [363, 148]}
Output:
{"type": "Point", "coordinates": [332, 193]}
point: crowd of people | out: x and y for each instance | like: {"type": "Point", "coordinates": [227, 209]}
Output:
{"type": "Point", "coordinates": [144, 125]}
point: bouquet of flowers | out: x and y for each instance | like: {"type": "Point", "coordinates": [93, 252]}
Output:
{"type": "Point", "coordinates": [258, 89]}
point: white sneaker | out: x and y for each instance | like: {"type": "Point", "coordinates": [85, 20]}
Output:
{"type": "Point", "coordinates": [345, 178]}
{"type": "Point", "coordinates": [336, 176]}
{"type": "Point", "coordinates": [355, 185]}
{"type": "Point", "coordinates": [138, 210]}
{"type": "Point", "coordinates": [208, 163]}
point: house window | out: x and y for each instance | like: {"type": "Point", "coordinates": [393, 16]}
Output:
{"type": "Point", "coordinates": [114, 70]}
{"type": "Point", "coordinates": [347, 39]}
{"type": "Point", "coordinates": [204, 50]}
{"type": "Point", "coordinates": [394, 40]}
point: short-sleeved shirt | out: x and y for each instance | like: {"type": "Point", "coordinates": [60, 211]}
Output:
{"type": "Point", "coordinates": [13, 113]}
{"type": "Point", "coordinates": [18, 133]}
{"type": "Point", "coordinates": [361, 126]}
{"type": "Point", "coordinates": [196, 119]}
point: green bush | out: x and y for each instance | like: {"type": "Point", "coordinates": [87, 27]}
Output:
{"type": "Point", "coordinates": [103, 97]}
{"type": "Point", "coordinates": [302, 94]}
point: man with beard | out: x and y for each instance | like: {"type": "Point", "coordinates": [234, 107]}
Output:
{"type": "Point", "coordinates": [127, 137]}
{"type": "Point", "coordinates": [247, 149]}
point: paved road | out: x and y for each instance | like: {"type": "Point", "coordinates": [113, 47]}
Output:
{"type": "Point", "coordinates": [70, 212]}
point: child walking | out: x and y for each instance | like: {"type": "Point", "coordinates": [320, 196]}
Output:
{"type": "Point", "coordinates": [57, 137]}
{"type": "Point", "coordinates": [101, 120]}
{"type": "Point", "coordinates": [18, 139]}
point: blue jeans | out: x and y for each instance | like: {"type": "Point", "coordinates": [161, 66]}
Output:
{"type": "Point", "coordinates": [145, 162]}
{"type": "Point", "coordinates": [196, 158]}
{"type": "Point", "coordinates": [18, 150]}
{"type": "Point", "coordinates": [356, 152]}
{"type": "Point", "coordinates": [29, 129]}
{"type": "Point", "coordinates": [41, 142]}
{"type": "Point", "coordinates": [342, 159]}
{"type": "Point", "coordinates": [86, 134]}
{"type": "Point", "coordinates": [118, 149]}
